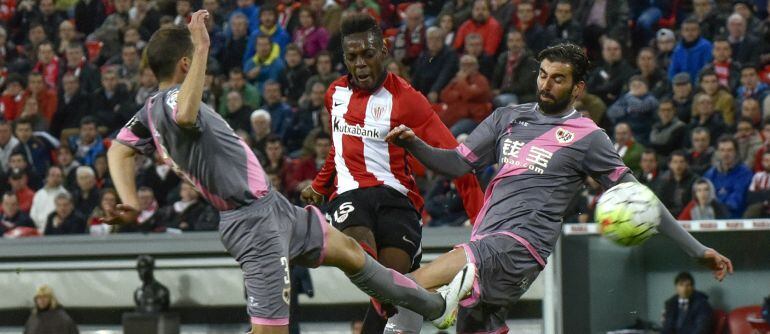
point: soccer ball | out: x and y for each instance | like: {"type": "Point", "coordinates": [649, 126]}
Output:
{"type": "Point", "coordinates": [628, 214]}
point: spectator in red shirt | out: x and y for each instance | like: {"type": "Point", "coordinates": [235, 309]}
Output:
{"type": "Point", "coordinates": [526, 22]}
{"type": "Point", "coordinates": [758, 197]}
{"type": "Point", "coordinates": [410, 40]}
{"type": "Point", "coordinates": [303, 170]}
{"type": "Point", "coordinates": [728, 71]}
{"type": "Point", "coordinates": [467, 97]}
{"type": "Point", "coordinates": [12, 100]}
{"type": "Point", "coordinates": [481, 23]}
{"type": "Point", "coordinates": [18, 182]}
{"type": "Point", "coordinates": [765, 148]}
{"type": "Point", "coordinates": [45, 96]}
{"type": "Point", "coordinates": [48, 64]}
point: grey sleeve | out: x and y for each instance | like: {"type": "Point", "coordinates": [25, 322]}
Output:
{"type": "Point", "coordinates": [670, 227]}
{"type": "Point", "coordinates": [446, 162]}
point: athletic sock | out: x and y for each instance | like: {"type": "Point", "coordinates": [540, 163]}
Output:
{"type": "Point", "coordinates": [389, 286]}
{"type": "Point", "coordinates": [404, 322]}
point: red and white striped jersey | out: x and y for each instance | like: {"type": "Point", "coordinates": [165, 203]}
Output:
{"type": "Point", "coordinates": [361, 158]}
{"type": "Point", "coordinates": [760, 182]}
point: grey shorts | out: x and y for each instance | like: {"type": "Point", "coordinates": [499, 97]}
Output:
{"type": "Point", "coordinates": [505, 269]}
{"type": "Point", "coordinates": [263, 237]}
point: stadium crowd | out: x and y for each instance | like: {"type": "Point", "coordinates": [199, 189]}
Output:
{"type": "Point", "coordinates": [681, 86]}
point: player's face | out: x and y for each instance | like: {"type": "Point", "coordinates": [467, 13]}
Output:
{"type": "Point", "coordinates": [555, 87]}
{"type": "Point", "coordinates": [363, 56]}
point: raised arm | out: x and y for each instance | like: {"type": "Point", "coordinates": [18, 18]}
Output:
{"type": "Point", "coordinates": [191, 92]}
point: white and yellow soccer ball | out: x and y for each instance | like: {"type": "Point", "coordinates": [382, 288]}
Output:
{"type": "Point", "coordinates": [628, 214]}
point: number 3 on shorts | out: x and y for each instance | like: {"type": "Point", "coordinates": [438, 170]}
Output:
{"type": "Point", "coordinates": [342, 212]}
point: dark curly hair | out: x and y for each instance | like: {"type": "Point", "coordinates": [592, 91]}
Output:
{"type": "Point", "coordinates": [567, 53]}
{"type": "Point", "coordinates": [361, 23]}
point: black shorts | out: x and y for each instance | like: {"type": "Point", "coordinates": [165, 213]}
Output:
{"type": "Point", "coordinates": [389, 214]}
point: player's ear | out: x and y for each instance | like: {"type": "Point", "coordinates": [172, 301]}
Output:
{"type": "Point", "coordinates": [578, 89]}
{"type": "Point", "coordinates": [184, 64]}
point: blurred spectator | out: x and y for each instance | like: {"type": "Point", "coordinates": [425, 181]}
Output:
{"type": "Point", "coordinates": [637, 108]}
{"type": "Point", "coordinates": [711, 23]}
{"type": "Point", "coordinates": [765, 147]}
{"type": "Point", "coordinates": [682, 97]}
{"type": "Point", "coordinates": [564, 28]}
{"type": "Point", "coordinates": [28, 52]}
{"type": "Point", "coordinates": [43, 95]}
{"type": "Point", "coordinates": [482, 24]}
{"type": "Point", "coordinates": [607, 80]}
{"type": "Point", "coordinates": [435, 66]}
{"type": "Point", "coordinates": [446, 23]}
{"type": "Point", "coordinates": [758, 197]}
{"type": "Point", "coordinates": [128, 66]}
{"type": "Point", "coordinates": [73, 105]}
{"type": "Point", "coordinates": [237, 113]}
{"type": "Point", "coordinates": [132, 36]}
{"type": "Point", "coordinates": [216, 40]}
{"type": "Point", "coordinates": [303, 170]}
{"type": "Point", "coordinates": [515, 76]}
{"type": "Point", "coordinates": [268, 18]}
{"type": "Point", "coordinates": [628, 149]}
{"type": "Point", "coordinates": [324, 72]}
{"type": "Point", "coordinates": [691, 53]}
{"type": "Point", "coordinates": [593, 107]}
{"type": "Point", "coordinates": [458, 10]}
{"type": "Point", "coordinates": [160, 178]}
{"type": "Point", "coordinates": [18, 161]}
{"type": "Point", "coordinates": [728, 71]}
{"type": "Point", "coordinates": [144, 14]}
{"type": "Point", "coordinates": [669, 133]}
{"type": "Point", "coordinates": [503, 11]}
{"type": "Point", "coordinates": [102, 171]}
{"type": "Point", "coordinates": [674, 187]}
{"type": "Point", "coordinates": [189, 213]}
{"type": "Point", "coordinates": [36, 151]}
{"type": "Point", "coordinates": [705, 205]}
{"type": "Point", "coordinates": [260, 130]}
{"type": "Point", "coordinates": [7, 143]}
{"type": "Point", "coordinates": [12, 101]}
{"type": "Point", "coordinates": [88, 143]}
{"type": "Point", "coordinates": [108, 201]}
{"type": "Point", "coordinates": [396, 67]}
{"type": "Point", "coordinates": [304, 119]}
{"type": "Point", "coordinates": [112, 104]}
{"type": "Point", "coordinates": [731, 178]}
{"type": "Point", "coordinates": [89, 15]}
{"type": "Point", "coordinates": [649, 172]}
{"type": "Point", "coordinates": [309, 36]}
{"type": "Point", "coordinates": [149, 219]}
{"type": "Point", "coordinates": [49, 316]}
{"type": "Point", "coordinates": [444, 204]}
{"type": "Point", "coordinates": [701, 155]}
{"type": "Point", "coordinates": [45, 13]}
{"type": "Point", "coordinates": [183, 12]}
{"type": "Point", "coordinates": [474, 47]}
{"type": "Point", "coordinates": [66, 161]}
{"type": "Point", "coordinates": [410, 39]}
{"type": "Point", "coordinates": [48, 64]}
{"type": "Point", "coordinates": [235, 44]}
{"type": "Point", "coordinates": [294, 76]}
{"type": "Point", "coordinates": [526, 22]}
{"type": "Point", "coordinates": [109, 31]}
{"type": "Point", "coordinates": [18, 182]}
{"type": "Point", "coordinates": [749, 141]}
{"type": "Point", "coordinates": [581, 209]}
{"type": "Point", "coordinates": [744, 45]}
{"type": "Point", "coordinates": [602, 18]}
{"type": "Point", "coordinates": [237, 82]}
{"type": "Point", "coordinates": [665, 42]}
{"type": "Point", "coordinates": [288, 14]}
{"type": "Point", "coordinates": [277, 163]}
{"type": "Point", "coordinates": [467, 96]}
{"type": "Point", "coordinates": [43, 203]}
{"type": "Point", "coordinates": [77, 65]}
{"type": "Point", "coordinates": [148, 84]}
{"type": "Point", "coordinates": [656, 78]}
{"type": "Point", "coordinates": [65, 219]}
{"type": "Point", "coordinates": [67, 36]}
{"type": "Point", "coordinates": [248, 9]}
{"type": "Point", "coordinates": [11, 217]}
{"type": "Point", "coordinates": [689, 310]}
{"type": "Point", "coordinates": [722, 99]}
{"type": "Point", "coordinates": [751, 111]}
{"type": "Point", "coordinates": [750, 85]}
{"type": "Point", "coordinates": [280, 112]}
{"type": "Point", "coordinates": [266, 64]}
{"type": "Point", "coordinates": [704, 116]}
{"type": "Point", "coordinates": [85, 196]}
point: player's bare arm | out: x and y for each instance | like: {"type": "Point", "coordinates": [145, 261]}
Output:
{"type": "Point", "coordinates": [122, 169]}
{"type": "Point", "coordinates": [191, 91]}
{"type": "Point", "coordinates": [446, 162]}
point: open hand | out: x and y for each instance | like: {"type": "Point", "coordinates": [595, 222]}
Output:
{"type": "Point", "coordinates": [123, 214]}
{"type": "Point", "coordinates": [400, 135]}
{"type": "Point", "coordinates": [718, 263]}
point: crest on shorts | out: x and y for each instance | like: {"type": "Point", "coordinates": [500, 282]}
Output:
{"type": "Point", "coordinates": [564, 136]}
{"type": "Point", "coordinates": [377, 112]}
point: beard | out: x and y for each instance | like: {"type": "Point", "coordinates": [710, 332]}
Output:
{"type": "Point", "coordinates": [556, 105]}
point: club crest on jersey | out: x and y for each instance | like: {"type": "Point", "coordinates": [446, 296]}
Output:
{"type": "Point", "coordinates": [564, 136]}
{"type": "Point", "coordinates": [171, 99]}
{"type": "Point", "coordinates": [377, 112]}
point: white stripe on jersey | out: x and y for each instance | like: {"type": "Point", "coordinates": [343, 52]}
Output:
{"type": "Point", "coordinates": [345, 180]}
{"type": "Point", "coordinates": [376, 154]}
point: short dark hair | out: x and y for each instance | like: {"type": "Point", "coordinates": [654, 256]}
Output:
{"type": "Point", "coordinates": [567, 53]}
{"type": "Point", "coordinates": [650, 151]}
{"type": "Point", "coordinates": [677, 153]}
{"type": "Point", "coordinates": [89, 120]}
{"type": "Point", "coordinates": [20, 121]}
{"type": "Point", "coordinates": [272, 138]}
{"type": "Point", "coordinates": [361, 23]}
{"type": "Point", "coordinates": [726, 138]}
{"type": "Point", "coordinates": [236, 71]}
{"type": "Point", "coordinates": [706, 72]}
{"type": "Point", "coordinates": [165, 48]}
{"type": "Point", "coordinates": [293, 47]}
{"type": "Point", "coordinates": [722, 38]}
{"type": "Point", "coordinates": [269, 8]}
{"type": "Point", "coordinates": [684, 276]}
{"type": "Point", "coordinates": [749, 66]}
{"type": "Point", "coordinates": [691, 20]}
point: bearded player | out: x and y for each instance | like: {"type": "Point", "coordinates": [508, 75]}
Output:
{"type": "Point", "coordinates": [373, 196]}
{"type": "Point", "coordinates": [545, 149]}
{"type": "Point", "coordinates": [258, 226]}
